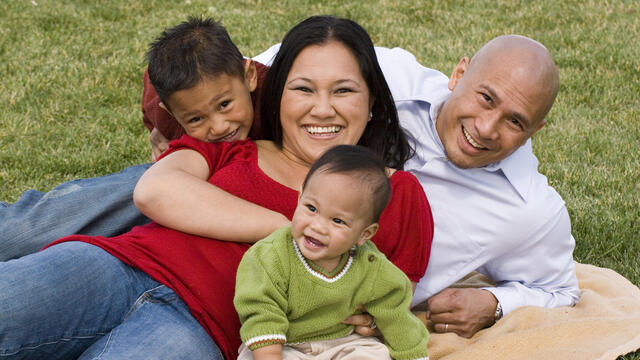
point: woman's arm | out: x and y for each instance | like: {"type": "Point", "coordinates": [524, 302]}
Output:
{"type": "Point", "coordinates": [175, 193]}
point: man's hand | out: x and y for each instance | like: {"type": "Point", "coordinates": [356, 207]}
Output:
{"type": "Point", "coordinates": [463, 311]}
{"type": "Point", "coordinates": [159, 144]}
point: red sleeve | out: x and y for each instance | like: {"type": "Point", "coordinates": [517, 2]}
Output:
{"type": "Point", "coordinates": [406, 226]}
{"type": "Point", "coordinates": [153, 116]}
{"type": "Point", "coordinates": [216, 154]}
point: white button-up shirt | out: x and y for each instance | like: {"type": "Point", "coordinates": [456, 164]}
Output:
{"type": "Point", "coordinates": [502, 220]}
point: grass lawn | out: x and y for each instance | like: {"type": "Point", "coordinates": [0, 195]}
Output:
{"type": "Point", "coordinates": [71, 83]}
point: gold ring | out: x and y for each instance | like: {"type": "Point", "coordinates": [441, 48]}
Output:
{"type": "Point", "coordinates": [446, 327]}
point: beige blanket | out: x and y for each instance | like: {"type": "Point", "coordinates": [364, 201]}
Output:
{"type": "Point", "coordinates": [603, 325]}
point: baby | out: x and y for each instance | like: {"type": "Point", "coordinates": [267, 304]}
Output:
{"type": "Point", "coordinates": [294, 287]}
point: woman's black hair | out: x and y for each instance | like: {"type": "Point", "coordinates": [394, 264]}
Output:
{"type": "Point", "coordinates": [383, 133]}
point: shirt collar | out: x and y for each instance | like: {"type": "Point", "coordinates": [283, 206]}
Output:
{"type": "Point", "coordinates": [518, 168]}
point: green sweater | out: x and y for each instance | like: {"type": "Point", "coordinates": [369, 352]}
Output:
{"type": "Point", "coordinates": [283, 298]}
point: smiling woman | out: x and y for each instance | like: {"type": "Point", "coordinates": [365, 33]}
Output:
{"type": "Point", "coordinates": [324, 105]}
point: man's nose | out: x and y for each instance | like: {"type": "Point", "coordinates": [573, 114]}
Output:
{"type": "Point", "coordinates": [488, 125]}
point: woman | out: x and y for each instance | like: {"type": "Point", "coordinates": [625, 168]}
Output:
{"type": "Point", "coordinates": [157, 292]}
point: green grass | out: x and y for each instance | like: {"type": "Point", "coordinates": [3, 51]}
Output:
{"type": "Point", "coordinates": [71, 83]}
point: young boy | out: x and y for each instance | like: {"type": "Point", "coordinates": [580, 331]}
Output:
{"type": "Point", "coordinates": [198, 83]}
{"type": "Point", "coordinates": [295, 286]}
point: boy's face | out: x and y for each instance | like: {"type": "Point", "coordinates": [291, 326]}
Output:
{"type": "Point", "coordinates": [218, 108]}
{"type": "Point", "coordinates": [333, 214]}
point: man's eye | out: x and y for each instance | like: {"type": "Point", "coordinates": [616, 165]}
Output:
{"type": "Point", "coordinates": [311, 208]}
{"type": "Point", "coordinates": [224, 104]}
{"type": "Point", "coordinates": [194, 119]}
{"type": "Point", "coordinates": [515, 122]}
{"type": "Point", "coordinates": [338, 221]}
{"type": "Point", "coordinates": [486, 97]}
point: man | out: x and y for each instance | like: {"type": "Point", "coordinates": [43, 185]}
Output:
{"type": "Point", "coordinates": [493, 211]}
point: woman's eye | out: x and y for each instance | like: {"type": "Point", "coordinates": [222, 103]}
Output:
{"type": "Point", "coordinates": [303, 89]}
{"type": "Point", "coordinates": [343, 91]}
{"type": "Point", "coordinates": [486, 97]}
{"type": "Point", "coordinates": [224, 104]}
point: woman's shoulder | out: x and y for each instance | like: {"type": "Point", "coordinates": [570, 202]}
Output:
{"type": "Point", "coordinates": [403, 179]}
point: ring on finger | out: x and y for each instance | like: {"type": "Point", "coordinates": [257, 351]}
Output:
{"type": "Point", "coordinates": [446, 327]}
{"type": "Point", "coordinates": [373, 324]}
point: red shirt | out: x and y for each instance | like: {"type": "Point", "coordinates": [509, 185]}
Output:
{"type": "Point", "coordinates": [202, 271]}
{"type": "Point", "coordinates": [155, 116]}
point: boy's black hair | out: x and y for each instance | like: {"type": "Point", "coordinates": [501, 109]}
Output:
{"type": "Point", "coordinates": [383, 133]}
{"type": "Point", "coordinates": [185, 54]}
{"type": "Point", "coordinates": [362, 163]}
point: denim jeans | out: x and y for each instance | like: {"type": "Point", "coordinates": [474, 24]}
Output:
{"type": "Point", "coordinates": [75, 300]}
{"type": "Point", "coordinates": [99, 206]}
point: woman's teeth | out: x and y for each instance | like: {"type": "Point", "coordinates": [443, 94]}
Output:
{"type": "Point", "coordinates": [320, 130]}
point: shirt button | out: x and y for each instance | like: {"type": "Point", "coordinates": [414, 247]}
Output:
{"type": "Point", "coordinates": [371, 258]}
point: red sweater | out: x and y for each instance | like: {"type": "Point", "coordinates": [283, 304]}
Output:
{"type": "Point", "coordinates": [155, 116]}
{"type": "Point", "coordinates": [202, 271]}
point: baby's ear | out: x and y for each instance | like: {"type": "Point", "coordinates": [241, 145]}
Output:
{"type": "Point", "coordinates": [368, 233]}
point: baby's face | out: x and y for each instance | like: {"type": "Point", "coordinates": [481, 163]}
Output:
{"type": "Point", "coordinates": [333, 214]}
{"type": "Point", "coordinates": [218, 108]}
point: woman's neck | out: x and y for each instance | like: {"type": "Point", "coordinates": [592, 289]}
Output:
{"type": "Point", "coordinates": [280, 165]}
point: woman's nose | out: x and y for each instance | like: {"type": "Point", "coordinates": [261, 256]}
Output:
{"type": "Point", "coordinates": [322, 107]}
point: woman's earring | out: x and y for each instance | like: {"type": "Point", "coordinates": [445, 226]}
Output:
{"type": "Point", "coordinates": [370, 115]}
{"type": "Point", "coordinates": [353, 250]}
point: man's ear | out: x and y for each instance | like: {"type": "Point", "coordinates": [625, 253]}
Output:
{"type": "Point", "coordinates": [458, 72]}
{"type": "Point", "coordinates": [367, 233]}
{"type": "Point", "coordinates": [250, 74]}
{"type": "Point", "coordinates": [164, 107]}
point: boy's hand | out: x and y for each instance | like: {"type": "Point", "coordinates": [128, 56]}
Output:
{"type": "Point", "coordinates": [159, 144]}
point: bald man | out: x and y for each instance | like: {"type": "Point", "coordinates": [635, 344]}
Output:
{"type": "Point", "coordinates": [493, 211]}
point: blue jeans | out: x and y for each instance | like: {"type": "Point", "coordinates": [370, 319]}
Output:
{"type": "Point", "coordinates": [75, 300]}
{"type": "Point", "coordinates": [99, 206]}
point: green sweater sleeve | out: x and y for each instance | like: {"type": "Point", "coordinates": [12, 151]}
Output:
{"type": "Point", "coordinates": [404, 334]}
{"type": "Point", "coordinates": [260, 296]}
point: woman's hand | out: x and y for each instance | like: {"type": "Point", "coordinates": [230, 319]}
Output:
{"type": "Point", "coordinates": [364, 323]}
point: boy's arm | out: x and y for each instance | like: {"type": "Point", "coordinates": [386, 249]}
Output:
{"type": "Point", "coordinates": [175, 193]}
